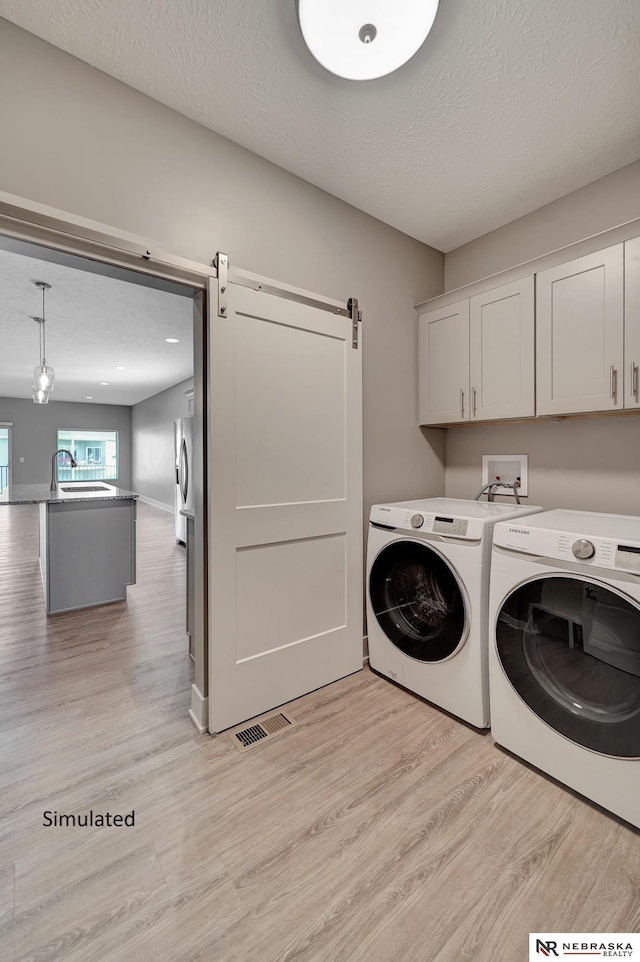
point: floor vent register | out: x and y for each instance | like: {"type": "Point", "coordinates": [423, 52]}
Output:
{"type": "Point", "coordinates": [260, 731]}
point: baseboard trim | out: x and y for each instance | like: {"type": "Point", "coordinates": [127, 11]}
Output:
{"type": "Point", "coordinates": [158, 504]}
{"type": "Point", "coordinates": [199, 711]}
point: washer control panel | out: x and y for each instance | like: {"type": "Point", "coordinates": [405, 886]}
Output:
{"type": "Point", "coordinates": [451, 526]}
{"type": "Point", "coordinates": [426, 523]}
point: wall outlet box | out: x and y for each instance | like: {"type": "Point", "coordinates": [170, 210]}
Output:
{"type": "Point", "coordinates": [509, 469]}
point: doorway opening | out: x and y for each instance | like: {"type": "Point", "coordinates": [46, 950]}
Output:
{"type": "Point", "coordinates": [105, 448]}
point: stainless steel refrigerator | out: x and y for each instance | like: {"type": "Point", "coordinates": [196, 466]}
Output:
{"type": "Point", "coordinates": [183, 447]}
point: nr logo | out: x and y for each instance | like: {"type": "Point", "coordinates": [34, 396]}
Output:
{"type": "Point", "coordinates": [546, 948]}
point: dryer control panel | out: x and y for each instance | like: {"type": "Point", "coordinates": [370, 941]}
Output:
{"type": "Point", "coordinates": [628, 556]}
{"type": "Point", "coordinates": [584, 546]}
{"type": "Point", "coordinates": [575, 547]}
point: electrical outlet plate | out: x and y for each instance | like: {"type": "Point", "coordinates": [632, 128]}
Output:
{"type": "Point", "coordinates": [507, 468]}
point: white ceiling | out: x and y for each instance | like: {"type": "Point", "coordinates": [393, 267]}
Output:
{"type": "Point", "coordinates": [506, 107]}
{"type": "Point", "coordinates": [94, 324]}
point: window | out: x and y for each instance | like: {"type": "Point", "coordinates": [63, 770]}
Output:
{"type": "Point", "coordinates": [4, 458]}
{"type": "Point", "coordinates": [96, 454]}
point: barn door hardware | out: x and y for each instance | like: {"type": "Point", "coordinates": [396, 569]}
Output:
{"type": "Point", "coordinates": [221, 263]}
{"type": "Point", "coordinates": [355, 315]}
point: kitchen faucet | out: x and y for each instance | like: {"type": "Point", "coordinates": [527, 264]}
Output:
{"type": "Point", "coordinates": [54, 469]}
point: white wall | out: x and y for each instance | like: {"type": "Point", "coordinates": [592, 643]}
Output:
{"type": "Point", "coordinates": [607, 203]}
{"type": "Point", "coordinates": [115, 156]}
{"type": "Point", "coordinates": [34, 434]}
{"type": "Point", "coordinates": [152, 443]}
{"type": "Point", "coordinates": [588, 464]}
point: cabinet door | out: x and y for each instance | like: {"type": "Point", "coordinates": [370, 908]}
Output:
{"type": "Point", "coordinates": [502, 360]}
{"type": "Point", "coordinates": [579, 308]}
{"type": "Point", "coordinates": [443, 359]}
{"type": "Point", "coordinates": [632, 323]}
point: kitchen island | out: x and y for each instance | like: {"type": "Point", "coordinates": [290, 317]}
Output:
{"type": "Point", "coordinates": [87, 541]}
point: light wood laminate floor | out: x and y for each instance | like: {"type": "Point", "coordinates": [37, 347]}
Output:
{"type": "Point", "coordinates": [376, 830]}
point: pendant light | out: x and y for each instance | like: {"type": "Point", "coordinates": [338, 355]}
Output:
{"type": "Point", "coordinates": [43, 376]}
{"type": "Point", "coordinates": [364, 39]}
{"type": "Point", "coordinates": [40, 397]}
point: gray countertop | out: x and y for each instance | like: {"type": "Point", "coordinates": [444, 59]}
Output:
{"type": "Point", "coordinates": [40, 493]}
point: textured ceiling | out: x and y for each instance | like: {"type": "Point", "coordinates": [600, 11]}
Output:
{"type": "Point", "coordinates": [94, 325]}
{"type": "Point", "coordinates": [507, 106]}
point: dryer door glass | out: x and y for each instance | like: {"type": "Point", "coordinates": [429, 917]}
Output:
{"type": "Point", "coordinates": [417, 601]}
{"type": "Point", "coordinates": [571, 649]}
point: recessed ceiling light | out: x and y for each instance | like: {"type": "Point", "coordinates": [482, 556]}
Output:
{"type": "Point", "coordinates": [172, 340]}
{"type": "Point", "coordinates": [104, 383]}
{"type": "Point", "coordinates": [89, 397]}
{"type": "Point", "coordinates": [121, 369]}
{"type": "Point", "coordinates": [361, 41]}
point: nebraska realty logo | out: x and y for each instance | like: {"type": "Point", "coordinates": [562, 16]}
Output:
{"type": "Point", "coordinates": [606, 945]}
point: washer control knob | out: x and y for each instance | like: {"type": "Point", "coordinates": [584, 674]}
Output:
{"type": "Point", "coordinates": [583, 549]}
{"type": "Point", "coordinates": [417, 520]}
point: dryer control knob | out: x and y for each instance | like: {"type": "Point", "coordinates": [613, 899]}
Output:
{"type": "Point", "coordinates": [583, 549]}
{"type": "Point", "coordinates": [417, 520]}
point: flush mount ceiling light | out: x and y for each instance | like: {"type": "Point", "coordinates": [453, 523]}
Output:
{"type": "Point", "coordinates": [43, 376]}
{"type": "Point", "coordinates": [364, 39]}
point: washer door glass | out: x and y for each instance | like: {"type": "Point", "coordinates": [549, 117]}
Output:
{"type": "Point", "coordinates": [571, 649]}
{"type": "Point", "coordinates": [417, 601]}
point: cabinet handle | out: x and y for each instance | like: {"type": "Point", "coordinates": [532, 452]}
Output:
{"type": "Point", "coordinates": [634, 380]}
{"type": "Point", "coordinates": [613, 383]}
{"type": "Point", "coordinates": [475, 398]}
{"type": "Point", "coordinates": [462, 402]}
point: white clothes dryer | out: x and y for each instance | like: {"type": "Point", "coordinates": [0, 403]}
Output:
{"type": "Point", "coordinates": [564, 659]}
{"type": "Point", "coordinates": [428, 597]}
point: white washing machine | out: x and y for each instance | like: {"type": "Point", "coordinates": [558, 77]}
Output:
{"type": "Point", "coordinates": [428, 596]}
{"type": "Point", "coordinates": [564, 659]}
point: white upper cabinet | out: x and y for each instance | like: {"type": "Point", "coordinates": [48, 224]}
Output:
{"type": "Point", "coordinates": [476, 357]}
{"type": "Point", "coordinates": [501, 357]}
{"type": "Point", "coordinates": [563, 340]}
{"type": "Point", "coordinates": [443, 364]}
{"type": "Point", "coordinates": [632, 323]}
{"type": "Point", "coordinates": [580, 334]}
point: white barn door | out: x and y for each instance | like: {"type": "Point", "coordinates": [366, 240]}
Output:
{"type": "Point", "coordinates": [285, 503]}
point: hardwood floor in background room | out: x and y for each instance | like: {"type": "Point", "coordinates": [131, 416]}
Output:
{"type": "Point", "coordinates": [377, 829]}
